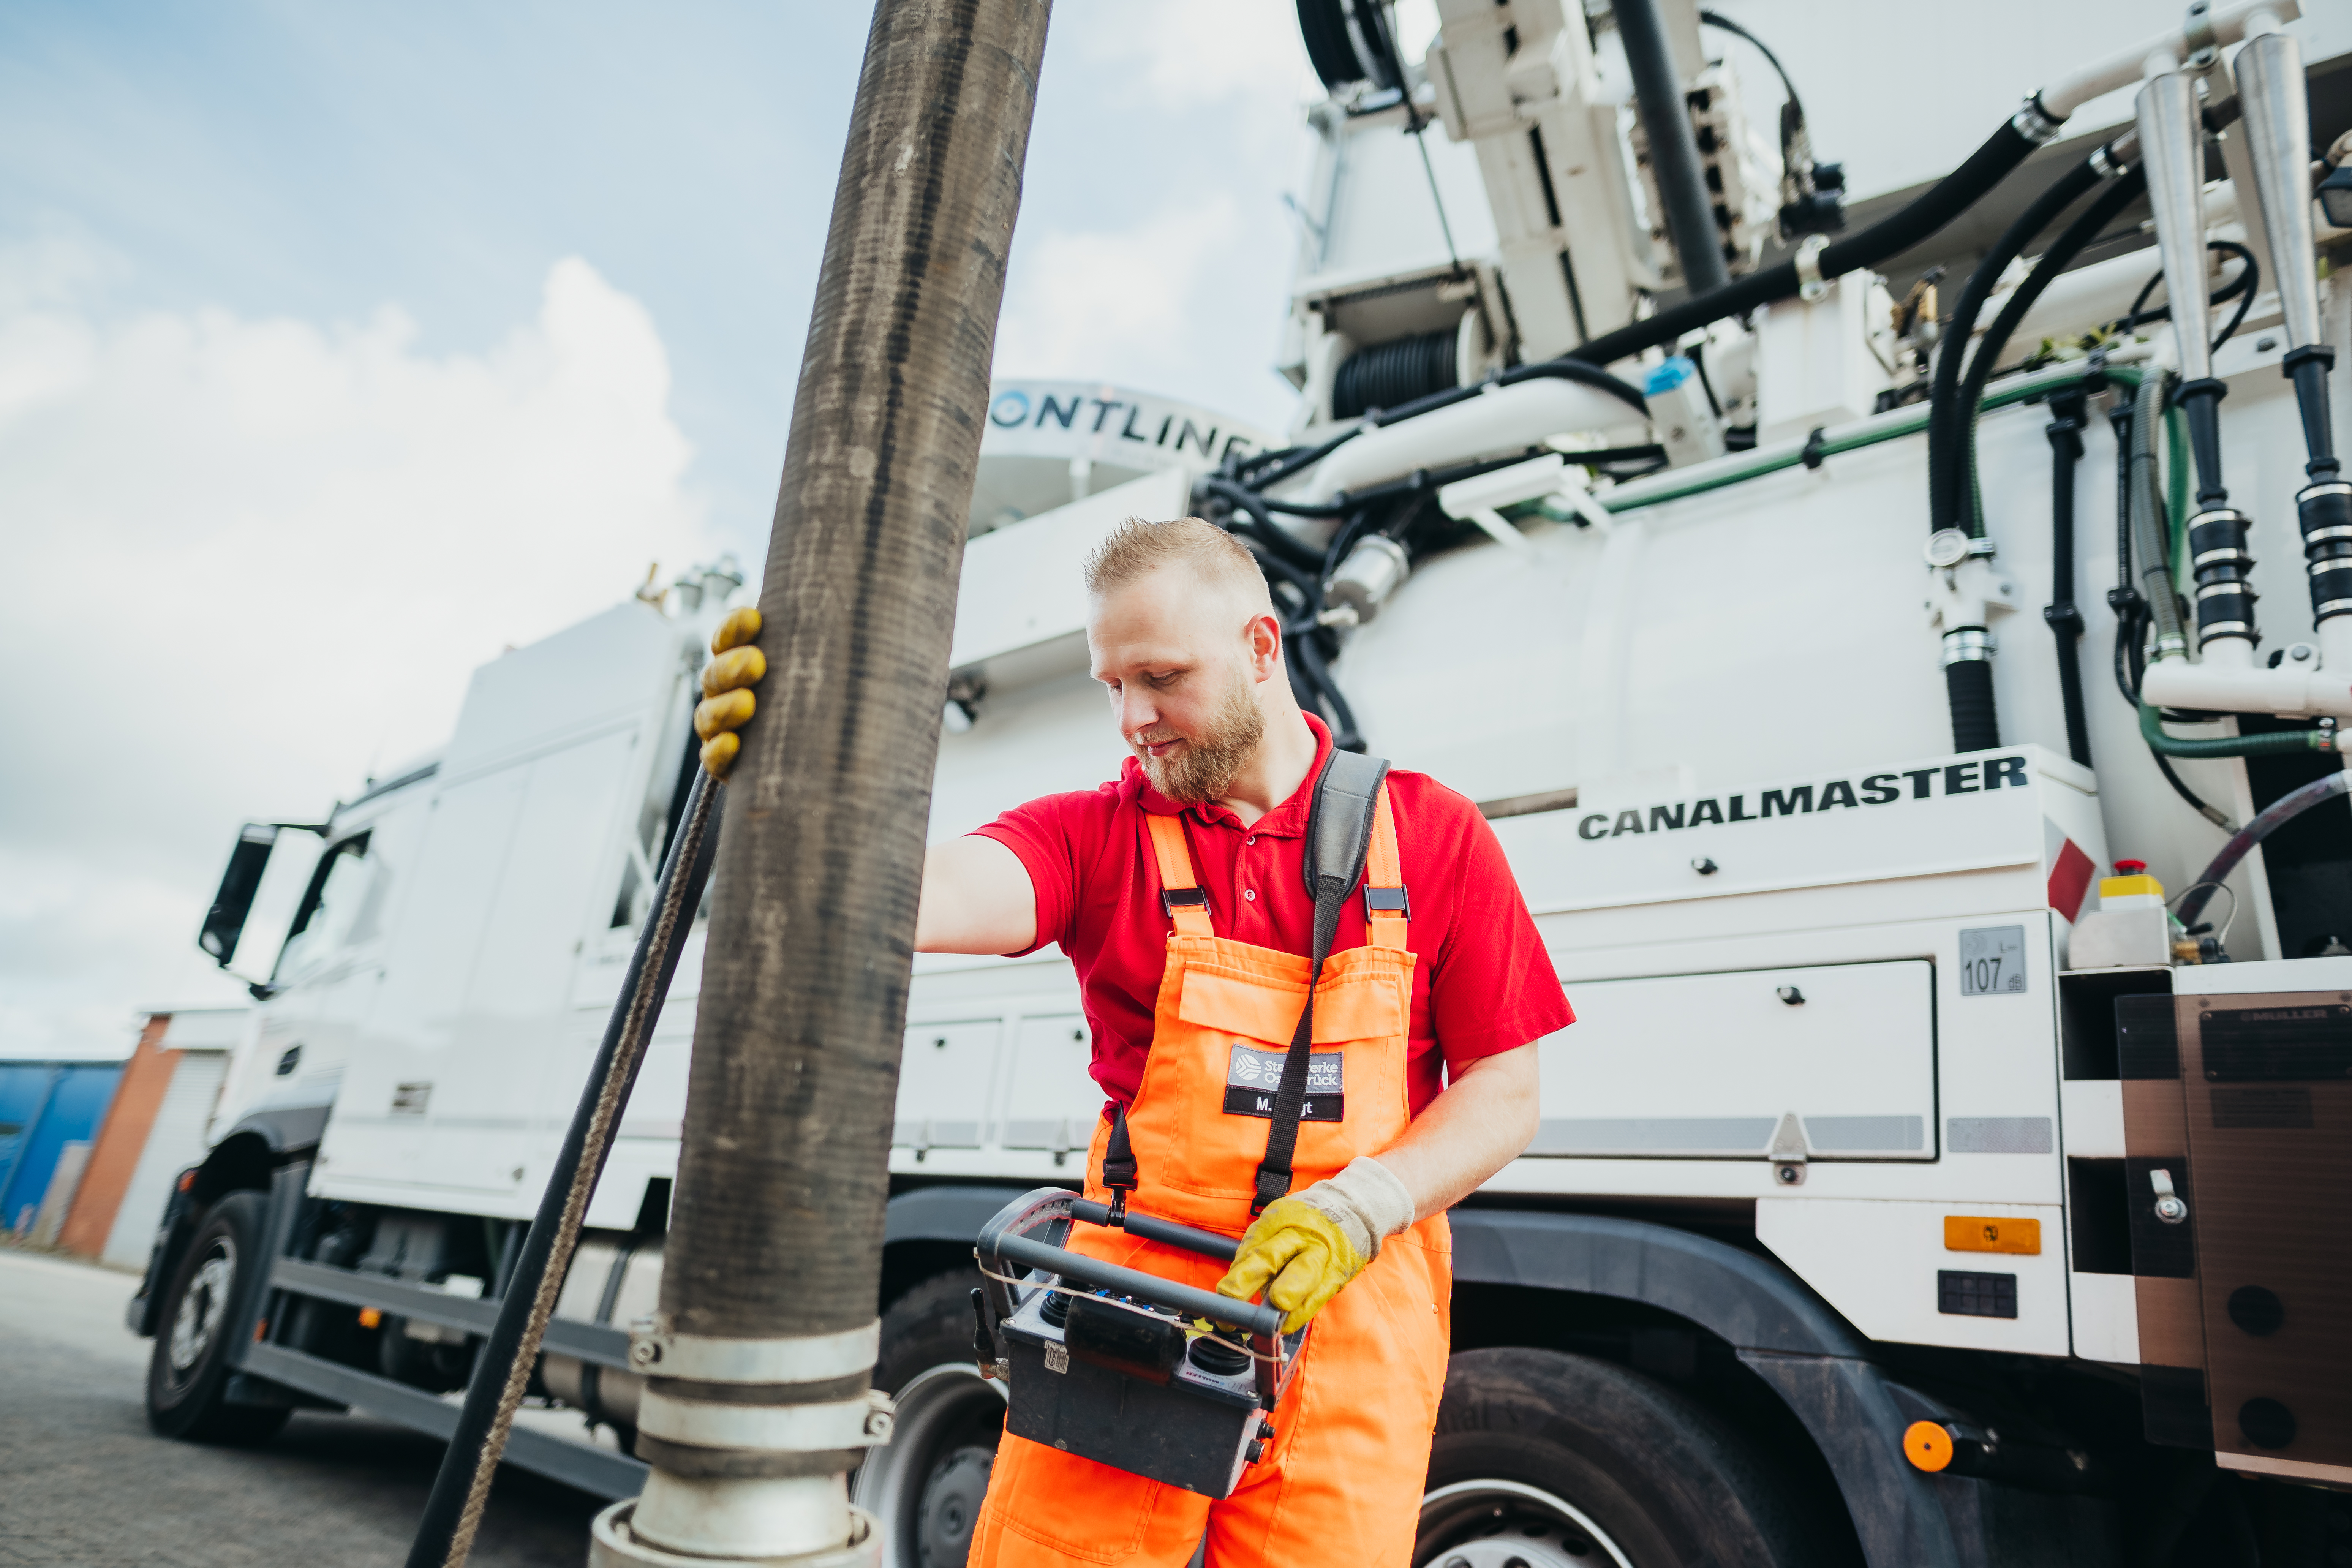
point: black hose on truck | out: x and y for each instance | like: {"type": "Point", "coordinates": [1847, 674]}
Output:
{"type": "Point", "coordinates": [2069, 412]}
{"type": "Point", "coordinates": [1890, 236]}
{"type": "Point", "coordinates": [453, 1511]}
{"type": "Point", "coordinates": [1946, 422]}
{"type": "Point", "coordinates": [2088, 225]}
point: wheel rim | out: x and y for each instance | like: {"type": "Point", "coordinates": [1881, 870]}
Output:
{"type": "Point", "coordinates": [1506, 1524]}
{"type": "Point", "coordinates": [203, 1305]}
{"type": "Point", "coordinates": [926, 1484]}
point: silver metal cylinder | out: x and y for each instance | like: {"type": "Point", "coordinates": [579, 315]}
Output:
{"type": "Point", "coordinates": [1375, 568]}
{"type": "Point", "coordinates": [2172, 149]}
{"type": "Point", "coordinates": [2276, 125]}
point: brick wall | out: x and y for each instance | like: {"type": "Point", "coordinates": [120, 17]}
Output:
{"type": "Point", "coordinates": [114, 1153]}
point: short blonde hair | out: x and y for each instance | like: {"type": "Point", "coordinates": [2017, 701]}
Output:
{"type": "Point", "coordinates": [1138, 547]}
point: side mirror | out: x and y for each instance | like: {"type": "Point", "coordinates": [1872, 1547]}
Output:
{"type": "Point", "coordinates": [225, 922]}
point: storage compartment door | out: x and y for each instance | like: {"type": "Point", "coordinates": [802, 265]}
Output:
{"type": "Point", "coordinates": [1706, 1066]}
{"type": "Point", "coordinates": [944, 1077]}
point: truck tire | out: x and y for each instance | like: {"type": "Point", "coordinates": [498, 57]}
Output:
{"type": "Point", "coordinates": [1563, 1461]}
{"type": "Point", "coordinates": [188, 1374]}
{"type": "Point", "coordinates": [926, 1484]}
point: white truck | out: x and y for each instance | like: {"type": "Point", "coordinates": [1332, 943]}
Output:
{"type": "Point", "coordinates": [1907, 1193]}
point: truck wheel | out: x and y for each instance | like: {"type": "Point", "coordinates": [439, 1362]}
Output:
{"type": "Point", "coordinates": [189, 1372]}
{"type": "Point", "coordinates": [926, 1484]}
{"type": "Point", "coordinates": [1562, 1461]}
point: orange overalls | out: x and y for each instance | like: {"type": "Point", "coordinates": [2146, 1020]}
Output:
{"type": "Point", "coordinates": [1341, 1481]}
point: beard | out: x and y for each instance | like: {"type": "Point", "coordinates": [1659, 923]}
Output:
{"type": "Point", "coordinates": [1204, 767]}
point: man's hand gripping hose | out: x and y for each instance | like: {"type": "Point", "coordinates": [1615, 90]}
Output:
{"type": "Point", "coordinates": [1304, 1247]}
{"type": "Point", "coordinates": [727, 702]}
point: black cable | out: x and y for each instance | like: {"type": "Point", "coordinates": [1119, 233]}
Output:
{"type": "Point", "coordinates": [2242, 288]}
{"type": "Point", "coordinates": [1344, 734]}
{"type": "Point", "coordinates": [1258, 523]}
{"type": "Point", "coordinates": [2070, 412]}
{"type": "Point", "coordinates": [1947, 416]}
{"type": "Point", "coordinates": [1717, 20]}
{"type": "Point", "coordinates": [453, 1507]}
{"type": "Point", "coordinates": [1889, 236]}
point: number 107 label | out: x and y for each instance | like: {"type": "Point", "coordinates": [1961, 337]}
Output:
{"type": "Point", "coordinates": [1993, 961]}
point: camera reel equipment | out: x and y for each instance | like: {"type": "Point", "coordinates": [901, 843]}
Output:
{"type": "Point", "coordinates": [1096, 1357]}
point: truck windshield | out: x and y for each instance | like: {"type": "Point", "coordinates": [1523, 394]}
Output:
{"type": "Point", "coordinates": [329, 909]}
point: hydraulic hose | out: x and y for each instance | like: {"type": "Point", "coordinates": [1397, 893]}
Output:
{"type": "Point", "coordinates": [453, 1511]}
{"type": "Point", "coordinates": [2088, 225]}
{"type": "Point", "coordinates": [1344, 734]}
{"type": "Point", "coordinates": [2277, 743]}
{"type": "Point", "coordinates": [2029, 128]}
{"type": "Point", "coordinates": [1258, 523]}
{"type": "Point", "coordinates": [2070, 414]}
{"type": "Point", "coordinates": [2272, 817]}
{"type": "Point", "coordinates": [1948, 416]}
{"type": "Point", "coordinates": [1890, 236]}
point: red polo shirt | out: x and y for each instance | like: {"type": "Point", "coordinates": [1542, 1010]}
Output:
{"type": "Point", "coordinates": [1483, 984]}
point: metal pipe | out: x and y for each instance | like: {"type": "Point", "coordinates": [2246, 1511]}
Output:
{"type": "Point", "coordinates": [2222, 26]}
{"type": "Point", "coordinates": [2276, 115]}
{"type": "Point", "coordinates": [763, 1352]}
{"type": "Point", "coordinates": [2172, 150]}
{"type": "Point", "coordinates": [1665, 110]}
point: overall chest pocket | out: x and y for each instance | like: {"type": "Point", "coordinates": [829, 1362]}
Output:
{"type": "Point", "coordinates": [1234, 1037]}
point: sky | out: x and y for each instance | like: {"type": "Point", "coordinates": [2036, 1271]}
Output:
{"type": "Point", "coordinates": [343, 346]}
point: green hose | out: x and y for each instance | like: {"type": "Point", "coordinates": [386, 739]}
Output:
{"type": "Point", "coordinates": [2279, 744]}
{"type": "Point", "coordinates": [2179, 485]}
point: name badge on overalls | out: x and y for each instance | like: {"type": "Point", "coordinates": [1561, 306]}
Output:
{"type": "Point", "coordinates": [1252, 1075]}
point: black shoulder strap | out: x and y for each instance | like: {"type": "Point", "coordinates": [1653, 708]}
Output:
{"type": "Point", "coordinates": [1339, 833]}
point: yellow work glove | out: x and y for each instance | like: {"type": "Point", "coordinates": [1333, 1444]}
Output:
{"type": "Point", "coordinates": [727, 681]}
{"type": "Point", "coordinates": [1304, 1247]}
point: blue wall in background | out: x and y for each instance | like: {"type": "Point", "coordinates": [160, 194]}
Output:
{"type": "Point", "coordinates": [44, 1106]}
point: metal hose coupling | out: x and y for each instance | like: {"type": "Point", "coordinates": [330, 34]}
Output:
{"type": "Point", "coordinates": [2220, 562]}
{"type": "Point", "coordinates": [749, 1440]}
{"type": "Point", "coordinates": [2323, 510]}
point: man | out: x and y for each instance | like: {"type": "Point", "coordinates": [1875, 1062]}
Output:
{"type": "Point", "coordinates": [1192, 995]}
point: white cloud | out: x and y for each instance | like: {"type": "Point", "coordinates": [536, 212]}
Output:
{"type": "Point", "coordinates": [1130, 297]}
{"type": "Point", "coordinates": [255, 560]}
{"type": "Point", "coordinates": [1182, 53]}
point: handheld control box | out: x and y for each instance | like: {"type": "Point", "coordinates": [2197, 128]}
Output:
{"type": "Point", "coordinates": [1097, 1360]}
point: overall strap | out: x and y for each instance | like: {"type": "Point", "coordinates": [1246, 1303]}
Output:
{"type": "Point", "coordinates": [1339, 831]}
{"type": "Point", "coordinates": [1182, 898]}
{"type": "Point", "coordinates": [1387, 907]}
{"type": "Point", "coordinates": [1179, 891]}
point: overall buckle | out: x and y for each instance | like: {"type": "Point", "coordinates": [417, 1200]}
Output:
{"type": "Point", "coordinates": [1387, 901]}
{"type": "Point", "coordinates": [1173, 898]}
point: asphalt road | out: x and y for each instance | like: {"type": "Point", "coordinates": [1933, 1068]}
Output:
{"type": "Point", "coordinates": [84, 1483]}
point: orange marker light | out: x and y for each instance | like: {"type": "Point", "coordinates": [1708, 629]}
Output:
{"type": "Point", "coordinates": [1979, 1233]}
{"type": "Point", "coordinates": [1927, 1446]}
{"type": "Point", "coordinates": [370, 1316]}
{"type": "Point", "coordinates": [188, 1178]}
